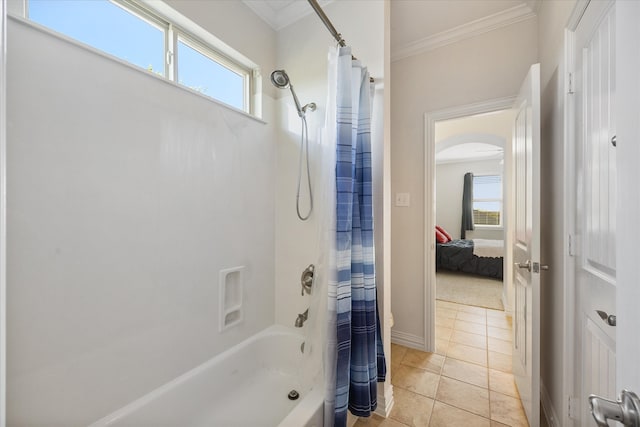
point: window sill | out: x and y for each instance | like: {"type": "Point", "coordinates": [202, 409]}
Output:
{"type": "Point", "coordinates": [489, 227]}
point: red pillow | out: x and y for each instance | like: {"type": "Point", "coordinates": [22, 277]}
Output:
{"type": "Point", "coordinates": [443, 231]}
{"type": "Point", "coordinates": [440, 238]}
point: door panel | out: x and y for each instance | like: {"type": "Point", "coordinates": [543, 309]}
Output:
{"type": "Point", "coordinates": [628, 161]}
{"type": "Point", "coordinates": [526, 247]}
{"type": "Point", "coordinates": [600, 361]}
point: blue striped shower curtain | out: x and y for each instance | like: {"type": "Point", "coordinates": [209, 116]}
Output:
{"type": "Point", "coordinates": [360, 362]}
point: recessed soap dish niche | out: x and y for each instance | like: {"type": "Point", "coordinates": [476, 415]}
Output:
{"type": "Point", "coordinates": [231, 284]}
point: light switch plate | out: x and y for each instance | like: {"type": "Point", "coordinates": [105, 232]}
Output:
{"type": "Point", "coordinates": [403, 199]}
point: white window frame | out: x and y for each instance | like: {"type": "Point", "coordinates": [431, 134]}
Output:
{"type": "Point", "coordinates": [499, 200]}
{"type": "Point", "coordinates": [204, 49]}
{"type": "Point", "coordinates": [178, 27]}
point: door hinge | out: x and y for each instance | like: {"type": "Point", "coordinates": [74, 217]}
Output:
{"type": "Point", "coordinates": [570, 91]}
{"type": "Point", "coordinates": [574, 241]}
{"type": "Point", "coordinates": [574, 408]}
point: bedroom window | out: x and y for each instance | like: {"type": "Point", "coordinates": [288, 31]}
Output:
{"type": "Point", "coordinates": [487, 200]}
{"type": "Point", "coordinates": [135, 32]}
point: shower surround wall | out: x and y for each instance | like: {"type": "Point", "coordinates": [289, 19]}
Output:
{"type": "Point", "coordinates": [127, 196]}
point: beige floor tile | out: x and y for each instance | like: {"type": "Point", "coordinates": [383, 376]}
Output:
{"type": "Point", "coordinates": [501, 334]}
{"type": "Point", "coordinates": [416, 380]}
{"type": "Point", "coordinates": [378, 421]}
{"type": "Point", "coordinates": [473, 328]}
{"type": "Point", "coordinates": [442, 346]}
{"type": "Point", "coordinates": [507, 410]}
{"type": "Point", "coordinates": [464, 396]}
{"type": "Point", "coordinates": [497, 424]}
{"type": "Point", "coordinates": [443, 333]}
{"type": "Point", "coordinates": [467, 353]}
{"type": "Point", "coordinates": [474, 340]}
{"type": "Point", "coordinates": [499, 361]}
{"type": "Point", "coordinates": [500, 346]}
{"type": "Point", "coordinates": [446, 304]}
{"type": "Point", "coordinates": [472, 317]}
{"type": "Point", "coordinates": [503, 382]}
{"type": "Point", "coordinates": [472, 309]}
{"type": "Point", "coordinates": [397, 353]}
{"type": "Point", "coordinates": [499, 322]}
{"type": "Point", "coordinates": [500, 314]}
{"type": "Point", "coordinates": [466, 372]}
{"type": "Point", "coordinates": [447, 322]}
{"type": "Point", "coordinates": [448, 416]}
{"type": "Point", "coordinates": [420, 359]}
{"type": "Point", "coordinates": [411, 408]}
{"type": "Point", "coordinates": [446, 312]}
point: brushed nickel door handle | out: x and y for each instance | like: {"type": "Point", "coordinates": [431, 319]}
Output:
{"type": "Point", "coordinates": [609, 319]}
{"type": "Point", "coordinates": [526, 265]}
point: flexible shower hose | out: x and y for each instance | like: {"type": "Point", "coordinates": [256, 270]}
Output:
{"type": "Point", "coordinates": [304, 146]}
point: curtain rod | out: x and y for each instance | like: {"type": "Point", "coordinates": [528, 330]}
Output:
{"type": "Point", "coordinates": [327, 23]}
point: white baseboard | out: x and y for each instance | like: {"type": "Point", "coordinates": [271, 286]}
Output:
{"type": "Point", "coordinates": [505, 303]}
{"type": "Point", "coordinates": [407, 340]}
{"type": "Point", "coordinates": [547, 407]}
{"type": "Point", "coordinates": [386, 403]}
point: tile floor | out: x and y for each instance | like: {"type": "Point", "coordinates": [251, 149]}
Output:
{"type": "Point", "coordinates": [467, 382]}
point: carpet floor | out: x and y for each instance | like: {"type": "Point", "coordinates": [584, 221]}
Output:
{"type": "Point", "coordinates": [471, 290]}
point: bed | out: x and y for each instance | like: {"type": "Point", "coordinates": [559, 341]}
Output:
{"type": "Point", "coordinates": [478, 256]}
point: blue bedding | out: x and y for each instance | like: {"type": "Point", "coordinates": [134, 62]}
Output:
{"type": "Point", "coordinates": [457, 255]}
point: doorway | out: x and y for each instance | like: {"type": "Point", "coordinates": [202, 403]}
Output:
{"type": "Point", "coordinates": [446, 121]}
{"type": "Point", "coordinates": [470, 208]}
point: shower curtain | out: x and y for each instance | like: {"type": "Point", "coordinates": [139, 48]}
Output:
{"type": "Point", "coordinates": [354, 354]}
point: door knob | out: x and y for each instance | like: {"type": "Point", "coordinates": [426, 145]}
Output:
{"type": "Point", "coordinates": [526, 265]}
{"type": "Point", "coordinates": [625, 410]}
{"type": "Point", "coordinates": [610, 319]}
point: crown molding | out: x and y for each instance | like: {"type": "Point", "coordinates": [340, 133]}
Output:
{"type": "Point", "coordinates": [284, 17]}
{"type": "Point", "coordinates": [471, 29]}
{"type": "Point", "coordinates": [534, 5]}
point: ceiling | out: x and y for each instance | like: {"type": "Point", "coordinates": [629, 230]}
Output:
{"type": "Point", "coordinates": [280, 13]}
{"type": "Point", "coordinates": [417, 25]}
{"type": "Point", "coordinates": [470, 151]}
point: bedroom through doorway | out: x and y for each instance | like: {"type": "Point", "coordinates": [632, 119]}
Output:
{"type": "Point", "coordinates": [471, 194]}
{"type": "Point", "coordinates": [472, 172]}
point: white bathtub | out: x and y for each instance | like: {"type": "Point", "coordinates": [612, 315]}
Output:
{"type": "Point", "coordinates": [246, 386]}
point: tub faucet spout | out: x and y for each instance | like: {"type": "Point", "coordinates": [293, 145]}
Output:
{"type": "Point", "coordinates": [302, 318]}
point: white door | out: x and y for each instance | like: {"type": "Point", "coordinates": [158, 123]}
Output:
{"type": "Point", "coordinates": [526, 246]}
{"type": "Point", "coordinates": [628, 156]}
{"type": "Point", "coordinates": [596, 254]}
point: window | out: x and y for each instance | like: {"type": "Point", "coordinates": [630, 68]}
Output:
{"type": "Point", "coordinates": [136, 40]}
{"type": "Point", "coordinates": [487, 200]}
{"type": "Point", "coordinates": [199, 70]}
{"type": "Point", "coordinates": [130, 32]}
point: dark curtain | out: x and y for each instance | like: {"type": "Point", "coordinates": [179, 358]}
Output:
{"type": "Point", "coordinates": [467, 205]}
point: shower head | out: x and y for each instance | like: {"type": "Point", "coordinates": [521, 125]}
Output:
{"type": "Point", "coordinates": [280, 79]}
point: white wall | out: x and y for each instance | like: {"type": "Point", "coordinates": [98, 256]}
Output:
{"type": "Point", "coordinates": [485, 67]}
{"type": "Point", "coordinates": [127, 196]}
{"type": "Point", "coordinates": [449, 186]}
{"type": "Point", "coordinates": [552, 19]}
